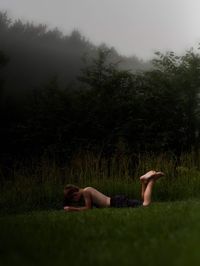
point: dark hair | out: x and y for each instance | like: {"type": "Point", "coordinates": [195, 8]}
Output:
{"type": "Point", "coordinates": [69, 191]}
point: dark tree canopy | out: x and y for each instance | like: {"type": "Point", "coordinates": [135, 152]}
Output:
{"type": "Point", "coordinates": [104, 106]}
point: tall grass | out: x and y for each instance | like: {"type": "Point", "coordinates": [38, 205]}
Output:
{"type": "Point", "coordinates": [40, 186]}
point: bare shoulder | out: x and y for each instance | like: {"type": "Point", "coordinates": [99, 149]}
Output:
{"type": "Point", "coordinates": [88, 190]}
{"type": "Point", "coordinates": [87, 195]}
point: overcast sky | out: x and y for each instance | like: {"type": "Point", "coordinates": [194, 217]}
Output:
{"type": "Point", "coordinates": [133, 27]}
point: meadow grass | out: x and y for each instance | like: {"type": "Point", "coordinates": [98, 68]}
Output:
{"type": "Point", "coordinates": [34, 230]}
{"type": "Point", "coordinates": [40, 186]}
{"type": "Point", "coordinates": [161, 234]}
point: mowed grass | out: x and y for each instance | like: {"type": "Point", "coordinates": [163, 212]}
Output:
{"type": "Point", "coordinates": [161, 234]}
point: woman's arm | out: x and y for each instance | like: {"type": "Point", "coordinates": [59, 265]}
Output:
{"type": "Point", "coordinates": [71, 208]}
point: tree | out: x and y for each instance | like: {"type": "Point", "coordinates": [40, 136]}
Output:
{"type": "Point", "coordinates": [112, 95]}
{"type": "Point", "coordinates": [190, 80]}
{"type": "Point", "coordinates": [3, 61]}
{"type": "Point", "coordinates": [172, 95]}
{"type": "Point", "coordinates": [4, 22]}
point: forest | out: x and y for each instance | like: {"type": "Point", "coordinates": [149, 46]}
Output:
{"type": "Point", "coordinates": [60, 95]}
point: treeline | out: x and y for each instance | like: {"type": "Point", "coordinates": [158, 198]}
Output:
{"type": "Point", "coordinates": [113, 110]}
{"type": "Point", "coordinates": [37, 52]}
{"type": "Point", "coordinates": [109, 111]}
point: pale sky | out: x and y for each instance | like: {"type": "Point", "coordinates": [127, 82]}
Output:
{"type": "Point", "coordinates": [133, 27]}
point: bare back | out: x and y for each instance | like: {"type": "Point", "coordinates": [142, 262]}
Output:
{"type": "Point", "coordinates": [97, 197]}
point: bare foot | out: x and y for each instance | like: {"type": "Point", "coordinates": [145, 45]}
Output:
{"type": "Point", "coordinates": [158, 175]}
{"type": "Point", "coordinates": [148, 175]}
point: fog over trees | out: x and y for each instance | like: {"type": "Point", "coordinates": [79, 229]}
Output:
{"type": "Point", "coordinates": [62, 94]}
{"type": "Point", "coordinates": [37, 53]}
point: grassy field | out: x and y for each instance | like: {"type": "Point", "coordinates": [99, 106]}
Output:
{"type": "Point", "coordinates": [162, 234]}
{"type": "Point", "coordinates": [34, 230]}
{"type": "Point", "coordinates": [40, 185]}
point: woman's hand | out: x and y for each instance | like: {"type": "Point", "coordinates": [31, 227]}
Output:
{"type": "Point", "coordinates": [67, 208]}
{"type": "Point", "coordinates": [71, 208]}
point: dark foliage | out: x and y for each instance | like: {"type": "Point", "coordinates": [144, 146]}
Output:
{"type": "Point", "coordinates": [109, 110]}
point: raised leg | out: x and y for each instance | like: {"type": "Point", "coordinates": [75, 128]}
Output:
{"type": "Point", "coordinates": [144, 180]}
{"type": "Point", "coordinates": [148, 192]}
{"type": "Point", "coordinates": [148, 181]}
{"type": "Point", "coordinates": [144, 185]}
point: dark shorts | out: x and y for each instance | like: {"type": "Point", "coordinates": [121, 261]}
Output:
{"type": "Point", "coordinates": [121, 201]}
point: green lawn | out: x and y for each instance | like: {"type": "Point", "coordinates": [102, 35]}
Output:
{"type": "Point", "coordinates": [162, 234]}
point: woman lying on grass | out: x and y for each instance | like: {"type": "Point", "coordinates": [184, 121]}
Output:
{"type": "Point", "coordinates": [94, 198]}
